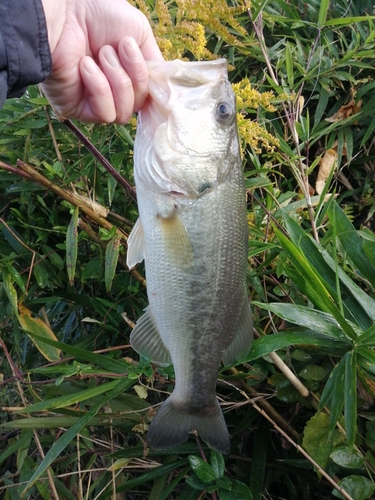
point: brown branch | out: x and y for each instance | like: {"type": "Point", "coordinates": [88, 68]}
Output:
{"type": "Point", "coordinates": [267, 407]}
{"type": "Point", "coordinates": [14, 170]}
{"type": "Point", "coordinates": [68, 196]}
{"type": "Point", "coordinates": [102, 160]}
{"type": "Point", "coordinates": [80, 202]}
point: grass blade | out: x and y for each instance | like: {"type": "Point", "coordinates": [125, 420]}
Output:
{"type": "Point", "coordinates": [110, 364]}
{"type": "Point", "coordinates": [305, 316]}
{"type": "Point", "coordinates": [324, 4]}
{"type": "Point", "coordinates": [151, 475]}
{"type": "Point", "coordinates": [258, 466]}
{"type": "Point", "coordinates": [59, 445]}
{"type": "Point", "coordinates": [69, 399]}
{"type": "Point", "coordinates": [263, 346]}
{"type": "Point", "coordinates": [41, 329]}
{"type": "Point", "coordinates": [111, 257]}
{"type": "Point", "coordinates": [351, 242]}
{"type": "Point", "coordinates": [350, 397]}
{"type": "Point", "coordinates": [359, 307]}
{"type": "Point", "coordinates": [331, 396]}
{"type": "Point", "coordinates": [312, 284]}
{"type": "Point", "coordinates": [72, 246]}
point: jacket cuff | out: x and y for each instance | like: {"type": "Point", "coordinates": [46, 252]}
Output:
{"type": "Point", "coordinates": [25, 56]}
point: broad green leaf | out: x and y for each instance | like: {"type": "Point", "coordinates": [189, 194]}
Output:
{"type": "Point", "coordinates": [111, 184]}
{"type": "Point", "coordinates": [289, 65]}
{"type": "Point", "coordinates": [41, 275]}
{"type": "Point", "coordinates": [21, 443]}
{"type": "Point", "coordinates": [60, 421]}
{"type": "Point", "coordinates": [369, 249]}
{"type": "Point", "coordinates": [358, 305]}
{"type": "Point", "coordinates": [321, 106]}
{"type": "Point", "coordinates": [324, 4]}
{"type": "Point", "coordinates": [367, 338]}
{"type": "Point", "coordinates": [305, 316]}
{"type": "Point", "coordinates": [350, 397]}
{"type": "Point", "coordinates": [110, 364]}
{"type": "Point", "coordinates": [312, 284]}
{"type": "Point", "coordinates": [10, 291]}
{"type": "Point", "coordinates": [333, 397]}
{"type": "Point", "coordinates": [351, 242]}
{"type": "Point", "coordinates": [15, 276]}
{"type": "Point", "coordinates": [313, 372]}
{"type": "Point", "coordinates": [217, 464]}
{"type": "Point", "coordinates": [111, 258]}
{"type": "Point", "coordinates": [358, 487]}
{"type": "Point", "coordinates": [349, 459]}
{"type": "Point", "coordinates": [141, 391]}
{"type": "Point", "coordinates": [36, 326]}
{"type": "Point", "coordinates": [347, 20]}
{"type": "Point", "coordinates": [23, 451]}
{"type": "Point", "coordinates": [269, 343]}
{"type": "Point", "coordinates": [202, 469]}
{"type": "Point", "coordinates": [72, 246]}
{"type": "Point", "coordinates": [66, 438]}
{"type": "Point", "coordinates": [69, 399]}
{"type": "Point", "coordinates": [196, 483]}
{"type": "Point", "coordinates": [366, 358]}
{"type": "Point", "coordinates": [318, 441]}
{"type": "Point", "coordinates": [239, 491]}
{"type": "Point", "coordinates": [119, 464]}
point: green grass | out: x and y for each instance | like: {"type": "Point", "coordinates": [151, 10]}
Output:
{"type": "Point", "coordinates": [77, 401]}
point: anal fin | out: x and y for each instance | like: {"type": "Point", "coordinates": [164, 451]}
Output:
{"type": "Point", "coordinates": [145, 339]}
{"type": "Point", "coordinates": [243, 336]}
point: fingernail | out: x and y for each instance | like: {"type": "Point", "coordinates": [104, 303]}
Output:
{"type": "Point", "coordinates": [131, 49]}
{"type": "Point", "coordinates": [89, 65]}
{"type": "Point", "coordinates": [111, 58]}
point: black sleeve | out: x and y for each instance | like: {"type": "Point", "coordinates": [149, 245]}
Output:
{"type": "Point", "coordinates": [25, 56]}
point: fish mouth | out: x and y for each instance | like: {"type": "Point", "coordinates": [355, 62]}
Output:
{"type": "Point", "coordinates": [188, 73]}
{"type": "Point", "coordinates": [182, 78]}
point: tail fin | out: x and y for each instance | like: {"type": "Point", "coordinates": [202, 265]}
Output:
{"type": "Point", "coordinates": [173, 422]}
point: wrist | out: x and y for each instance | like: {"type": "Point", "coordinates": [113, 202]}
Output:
{"type": "Point", "coordinates": [55, 14]}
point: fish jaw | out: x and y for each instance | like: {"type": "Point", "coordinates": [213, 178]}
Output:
{"type": "Point", "coordinates": [181, 141]}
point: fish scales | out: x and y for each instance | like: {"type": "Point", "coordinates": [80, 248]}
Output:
{"type": "Point", "coordinates": [192, 234]}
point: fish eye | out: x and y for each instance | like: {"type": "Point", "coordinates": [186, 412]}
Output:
{"type": "Point", "coordinates": [224, 112]}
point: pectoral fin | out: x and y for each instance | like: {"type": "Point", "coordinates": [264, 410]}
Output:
{"type": "Point", "coordinates": [243, 337]}
{"type": "Point", "coordinates": [146, 340]}
{"type": "Point", "coordinates": [135, 245]}
{"type": "Point", "coordinates": [177, 241]}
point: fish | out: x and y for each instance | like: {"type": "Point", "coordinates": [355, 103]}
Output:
{"type": "Point", "coordinates": [192, 234]}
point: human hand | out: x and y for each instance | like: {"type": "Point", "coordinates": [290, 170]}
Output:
{"type": "Point", "coordinates": [99, 49]}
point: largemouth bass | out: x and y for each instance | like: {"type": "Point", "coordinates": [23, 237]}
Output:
{"type": "Point", "coordinates": [192, 234]}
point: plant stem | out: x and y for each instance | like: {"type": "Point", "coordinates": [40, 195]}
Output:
{"type": "Point", "coordinates": [102, 160]}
